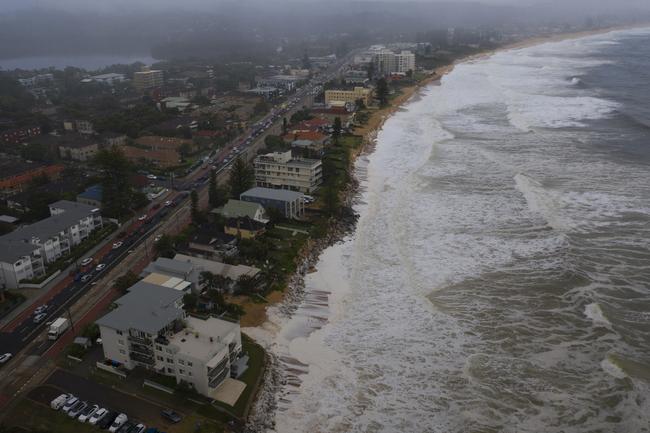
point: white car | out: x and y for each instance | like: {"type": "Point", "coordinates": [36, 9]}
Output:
{"type": "Point", "coordinates": [58, 402]}
{"type": "Point", "coordinates": [119, 421]}
{"type": "Point", "coordinates": [97, 416]}
{"type": "Point", "coordinates": [5, 358]}
{"type": "Point", "coordinates": [88, 412]}
{"type": "Point", "coordinates": [40, 317]}
{"type": "Point", "coordinates": [86, 261]}
{"type": "Point", "coordinates": [100, 267]}
{"type": "Point", "coordinates": [157, 238]}
{"type": "Point", "coordinates": [68, 404]}
{"type": "Point", "coordinates": [42, 309]}
{"type": "Point", "coordinates": [143, 217]}
{"type": "Point", "coordinates": [168, 203]}
{"type": "Point", "coordinates": [152, 176]}
{"type": "Point", "coordinates": [117, 245]}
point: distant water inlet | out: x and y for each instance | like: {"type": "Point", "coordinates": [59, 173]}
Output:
{"type": "Point", "coordinates": [498, 279]}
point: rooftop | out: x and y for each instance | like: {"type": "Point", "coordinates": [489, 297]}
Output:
{"type": "Point", "coordinates": [203, 339]}
{"type": "Point", "coordinates": [217, 268]}
{"type": "Point", "coordinates": [237, 208]}
{"type": "Point", "coordinates": [147, 307]}
{"type": "Point", "coordinates": [273, 194]}
{"type": "Point", "coordinates": [94, 192]}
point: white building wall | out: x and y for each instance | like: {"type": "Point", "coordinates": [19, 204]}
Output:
{"type": "Point", "coordinates": [116, 346]}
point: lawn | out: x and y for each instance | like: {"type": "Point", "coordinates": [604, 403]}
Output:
{"type": "Point", "coordinates": [36, 417]}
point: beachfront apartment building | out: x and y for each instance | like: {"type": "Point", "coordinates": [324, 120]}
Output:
{"type": "Point", "coordinates": [339, 98]}
{"type": "Point", "coordinates": [281, 170]}
{"type": "Point", "coordinates": [150, 79]}
{"type": "Point", "coordinates": [150, 329]}
{"type": "Point", "coordinates": [388, 62]}
{"type": "Point", "coordinates": [25, 252]}
{"type": "Point", "coordinates": [290, 203]}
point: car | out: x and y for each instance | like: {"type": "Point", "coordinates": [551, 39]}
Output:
{"type": "Point", "coordinates": [117, 244]}
{"type": "Point", "coordinates": [98, 416]}
{"type": "Point", "coordinates": [59, 401]}
{"type": "Point", "coordinates": [42, 309]}
{"type": "Point", "coordinates": [88, 412]}
{"type": "Point", "coordinates": [143, 217]}
{"type": "Point", "coordinates": [86, 261]}
{"type": "Point", "coordinates": [86, 278]}
{"type": "Point", "coordinates": [107, 420]}
{"type": "Point", "coordinates": [126, 427]}
{"type": "Point", "coordinates": [152, 176]}
{"type": "Point", "coordinates": [118, 422]}
{"type": "Point", "coordinates": [172, 416]}
{"type": "Point", "coordinates": [169, 203]}
{"type": "Point", "coordinates": [100, 267]}
{"type": "Point", "coordinates": [70, 403]}
{"type": "Point", "coordinates": [157, 238]}
{"type": "Point", "coordinates": [40, 317]}
{"type": "Point", "coordinates": [77, 409]}
{"type": "Point", "coordinates": [138, 428]}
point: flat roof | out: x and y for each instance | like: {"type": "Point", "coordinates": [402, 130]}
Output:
{"type": "Point", "coordinates": [273, 194]}
{"type": "Point", "coordinates": [202, 348]}
{"type": "Point", "coordinates": [231, 271]}
{"type": "Point", "coordinates": [146, 307]}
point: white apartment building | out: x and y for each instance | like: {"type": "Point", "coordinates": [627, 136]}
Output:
{"type": "Point", "coordinates": [25, 252]}
{"type": "Point", "coordinates": [388, 62]}
{"type": "Point", "coordinates": [150, 329]}
{"type": "Point", "coordinates": [281, 170]}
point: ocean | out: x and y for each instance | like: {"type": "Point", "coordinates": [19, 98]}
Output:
{"type": "Point", "coordinates": [499, 276]}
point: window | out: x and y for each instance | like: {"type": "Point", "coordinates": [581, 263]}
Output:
{"type": "Point", "coordinates": [168, 351]}
{"type": "Point", "coordinates": [120, 342]}
{"type": "Point", "coordinates": [158, 347]}
{"type": "Point", "coordinates": [170, 370]}
{"type": "Point", "coordinates": [189, 373]}
{"type": "Point", "coordinates": [189, 363]}
{"type": "Point", "coordinates": [170, 361]}
{"type": "Point", "coordinates": [122, 351]}
{"type": "Point", "coordinates": [181, 371]}
{"type": "Point", "coordinates": [181, 362]}
{"type": "Point", "coordinates": [119, 333]}
{"type": "Point", "coordinates": [160, 358]}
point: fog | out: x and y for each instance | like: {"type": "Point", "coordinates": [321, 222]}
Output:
{"type": "Point", "coordinates": [245, 28]}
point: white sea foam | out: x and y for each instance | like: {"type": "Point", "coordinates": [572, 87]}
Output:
{"type": "Point", "coordinates": [594, 312]}
{"type": "Point", "coordinates": [609, 366]}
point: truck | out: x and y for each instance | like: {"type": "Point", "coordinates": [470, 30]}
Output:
{"type": "Point", "coordinates": [57, 328]}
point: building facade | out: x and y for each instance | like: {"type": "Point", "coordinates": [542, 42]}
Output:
{"type": "Point", "coordinates": [150, 329]}
{"type": "Point", "coordinates": [290, 203]}
{"type": "Point", "coordinates": [25, 252]}
{"type": "Point", "coordinates": [281, 170]}
{"type": "Point", "coordinates": [342, 97]}
{"type": "Point", "coordinates": [388, 62]}
{"type": "Point", "coordinates": [145, 80]}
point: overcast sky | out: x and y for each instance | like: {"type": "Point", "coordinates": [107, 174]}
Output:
{"type": "Point", "coordinates": [120, 5]}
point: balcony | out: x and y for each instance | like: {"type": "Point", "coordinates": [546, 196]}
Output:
{"type": "Point", "coordinates": [145, 341]}
{"type": "Point", "coordinates": [142, 358]}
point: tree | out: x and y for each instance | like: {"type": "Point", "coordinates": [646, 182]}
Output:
{"type": "Point", "coordinates": [247, 284]}
{"type": "Point", "coordinates": [242, 178]}
{"type": "Point", "coordinates": [216, 195]}
{"type": "Point", "coordinates": [371, 70]}
{"type": "Point", "coordinates": [336, 130]}
{"type": "Point", "coordinates": [117, 198]}
{"type": "Point", "coordinates": [190, 300]}
{"type": "Point", "coordinates": [125, 281]}
{"type": "Point", "coordinates": [275, 143]}
{"type": "Point", "coordinates": [214, 282]}
{"type": "Point", "coordinates": [165, 247]}
{"type": "Point", "coordinates": [184, 150]}
{"type": "Point", "coordinates": [331, 201]}
{"type": "Point", "coordinates": [359, 104]}
{"type": "Point", "coordinates": [382, 91]}
{"type": "Point", "coordinates": [196, 213]}
{"type": "Point", "coordinates": [285, 126]}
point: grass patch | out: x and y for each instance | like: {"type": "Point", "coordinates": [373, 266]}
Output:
{"type": "Point", "coordinates": [35, 417]}
{"type": "Point", "coordinates": [11, 301]}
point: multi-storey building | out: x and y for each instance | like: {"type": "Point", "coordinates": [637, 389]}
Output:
{"type": "Point", "coordinates": [150, 329]}
{"type": "Point", "coordinates": [388, 62]}
{"type": "Point", "coordinates": [281, 170]}
{"type": "Point", "coordinates": [342, 97]}
{"type": "Point", "coordinates": [25, 252]}
{"type": "Point", "coordinates": [290, 203]}
{"type": "Point", "coordinates": [145, 80]}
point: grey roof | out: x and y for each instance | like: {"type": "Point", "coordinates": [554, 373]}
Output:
{"type": "Point", "coordinates": [238, 208]}
{"type": "Point", "coordinates": [16, 244]}
{"type": "Point", "coordinates": [147, 307]}
{"type": "Point", "coordinates": [273, 194]}
{"type": "Point", "coordinates": [164, 264]}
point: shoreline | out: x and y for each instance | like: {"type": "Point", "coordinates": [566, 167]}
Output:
{"type": "Point", "coordinates": [289, 300]}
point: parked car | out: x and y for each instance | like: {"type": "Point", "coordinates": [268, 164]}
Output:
{"type": "Point", "coordinates": [42, 309]}
{"type": "Point", "coordinates": [172, 416]}
{"type": "Point", "coordinates": [77, 409]}
{"type": "Point", "coordinates": [143, 217]}
{"type": "Point", "coordinates": [86, 278]}
{"type": "Point", "coordinates": [70, 403]}
{"type": "Point", "coordinates": [138, 428]}
{"type": "Point", "coordinates": [4, 358]}
{"type": "Point", "coordinates": [58, 402]}
{"type": "Point", "coordinates": [126, 427]}
{"type": "Point", "coordinates": [157, 238]}
{"type": "Point", "coordinates": [152, 176]}
{"type": "Point", "coordinates": [40, 317]}
{"type": "Point", "coordinates": [98, 416]}
{"type": "Point", "coordinates": [168, 203]}
{"type": "Point", "coordinates": [118, 422]}
{"type": "Point", "coordinates": [117, 245]}
{"type": "Point", "coordinates": [100, 267]}
{"type": "Point", "coordinates": [107, 420]}
{"type": "Point", "coordinates": [86, 261]}
{"type": "Point", "coordinates": [88, 412]}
